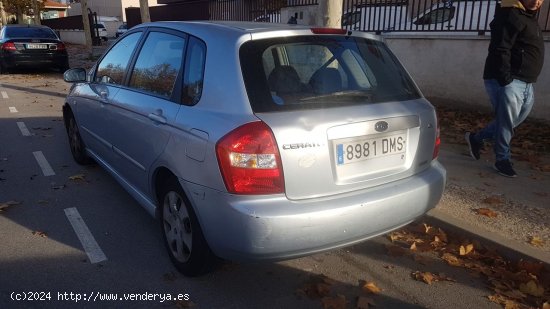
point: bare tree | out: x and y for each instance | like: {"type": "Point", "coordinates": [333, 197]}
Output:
{"type": "Point", "coordinates": [36, 7]}
{"type": "Point", "coordinates": [144, 9]}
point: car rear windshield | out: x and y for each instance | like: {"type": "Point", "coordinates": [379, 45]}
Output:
{"type": "Point", "coordinates": [30, 32]}
{"type": "Point", "coordinates": [310, 72]}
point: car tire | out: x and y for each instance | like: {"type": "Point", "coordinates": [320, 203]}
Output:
{"type": "Point", "coordinates": [76, 144]}
{"type": "Point", "coordinates": [182, 234]}
{"type": "Point", "coordinates": [63, 68]}
{"type": "Point", "coordinates": [3, 70]}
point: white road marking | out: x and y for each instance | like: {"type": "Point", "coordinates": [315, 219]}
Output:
{"type": "Point", "coordinates": [43, 163]}
{"type": "Point", "coordinates": [13, 109]}
{"type": "Point", "coordinates": [5, 95]}
{"type": "Point", "coordinates": [92, 249]}
{"type": "Point", "coordinates": [23, 129]}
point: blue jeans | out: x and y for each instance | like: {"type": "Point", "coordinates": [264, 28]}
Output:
{"type": "Point", "coordinates": [511, 105]}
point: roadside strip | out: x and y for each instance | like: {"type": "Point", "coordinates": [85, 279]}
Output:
{"type": "Point", "coordinates": [13, 109]}
{"type": "Point", "coordinates": [510, 249]}
{"type": "Point", "coordinates": [4, 95]}
{"type": "Point", "coordinates": [92, 249]}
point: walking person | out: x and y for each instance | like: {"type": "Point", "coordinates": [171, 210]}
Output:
{"type": "Point", "coordinates": [515, 59]}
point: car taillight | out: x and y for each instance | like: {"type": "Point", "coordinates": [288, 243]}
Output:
{"type": "Point", "coordinates": [437, 141]}
{"type": "Point", "coordinates": [249, 160]}
{"type": "Point", "coordinates": [9, 46]}
{"type": "Point", "coordinates": [60, 46]}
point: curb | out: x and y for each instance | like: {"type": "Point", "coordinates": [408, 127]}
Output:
{"type": "Point", "coordinates": [510, 249]}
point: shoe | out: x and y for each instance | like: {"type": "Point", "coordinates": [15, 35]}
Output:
{"type": "Point", "coordinates": [473, 145]}
{"type": "Point", "coordinates": [504, 167]}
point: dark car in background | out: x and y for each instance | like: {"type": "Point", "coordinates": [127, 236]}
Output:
{"type": "Point", "coordinates": [31, 46]}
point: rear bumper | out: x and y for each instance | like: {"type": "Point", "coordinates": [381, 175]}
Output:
{"type": "Point", "coordinates": [273, 227]}
{"type": "Point", "coordinates": [20, 60]}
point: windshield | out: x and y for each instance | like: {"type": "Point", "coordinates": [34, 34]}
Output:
{"type": "Point", "coordinates": [309, 72]}
{"type": "Point", "coordinates": [30, 32]}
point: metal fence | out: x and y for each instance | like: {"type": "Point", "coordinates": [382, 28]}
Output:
{"type": "Point", "coordinates": [468, 16]}
{"type": "Point", "coordinates": [259, 10]}
{"type": "Point", "coordinates": [425, 15]}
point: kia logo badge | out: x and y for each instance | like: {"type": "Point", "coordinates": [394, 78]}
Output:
{"type": "Point", "coordinates": [381, 126]}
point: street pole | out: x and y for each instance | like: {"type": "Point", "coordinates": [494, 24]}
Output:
{"type": "Point", "coordinates": [330, 13]}
{"type": "Point", "coordinates": [144, 9]}
{"type": "Point", "coordinates": [86, 23]}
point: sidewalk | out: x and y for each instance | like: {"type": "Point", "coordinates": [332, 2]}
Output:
{"type": "Point", "coordinates": [513, 213]}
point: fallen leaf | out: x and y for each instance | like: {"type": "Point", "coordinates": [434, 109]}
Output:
{"type": "Point", "coordinates": [451, 259]}
{"type": "Point", "coordinates": [486, 212]}
{"type": "Point", "coordinates": [78, 177]}
{"type": "Point", "coordinates": [426, 277]}
{"type": "Point", "coordinates": [7, 204]}
{"type": "Point", "coordinates": [546, 305]}
{"type": "Point", "coordinates": [532, 288]}
{"type": "Point", "coordinates": [338, 302]}
{"type": "Point", "coordinates": [40, 233]}
{"type": "Point", "coordinates": [466, 250]}
{"type": "Point", "coordinates": [413, 247]}
{"type": "Point", "coordinates": [536, 241]}
{"type": "Point", "coordinates": [370, 287]}
{"type": "Point", "coordinates": [318, 287]}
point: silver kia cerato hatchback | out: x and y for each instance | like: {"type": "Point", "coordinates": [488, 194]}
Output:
{"type": "Point", "coordinates": [256, 141]}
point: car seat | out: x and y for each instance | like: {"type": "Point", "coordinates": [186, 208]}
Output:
{"type": "Point", "coordinates": [284, 80]}
{"type": "Point", "coordinates": [326, 80]}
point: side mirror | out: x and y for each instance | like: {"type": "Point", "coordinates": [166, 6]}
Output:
{"type": "Point", "coordinates": [77, 75]}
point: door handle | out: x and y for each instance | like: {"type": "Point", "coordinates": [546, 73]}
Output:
{"type": "Point", "coordinates": [104, 96]}
{"type": "Point", "coordinates": [158, 118]}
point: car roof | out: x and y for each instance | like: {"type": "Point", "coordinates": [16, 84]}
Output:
{"type": "Point", "coordinates": [241, 27]}
{"type": "Point", "coordinates": [25, 26]}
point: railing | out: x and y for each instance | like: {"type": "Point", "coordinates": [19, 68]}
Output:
{"type": "Point", "coordinates": [425, 15]}
{"type": "Point", "coordinates": [246, 10]}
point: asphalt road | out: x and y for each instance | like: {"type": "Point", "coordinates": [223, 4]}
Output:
{"type": "Point", "coordinates": [42, 257]}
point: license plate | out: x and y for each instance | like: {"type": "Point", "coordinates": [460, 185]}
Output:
{"type": "Point", "coordinates": [37, 46]}
{"type": "Point", "coordinates": [370, 148]}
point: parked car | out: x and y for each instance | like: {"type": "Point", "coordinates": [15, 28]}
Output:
{"type": "Point", "coordinates": [258, 141]}
{"type": "Point", "coordinates": [31, 46]}
{"type": "Point", "coordinates": [121, 30]}
{"type": "Point", "coordinates": [101, 31]}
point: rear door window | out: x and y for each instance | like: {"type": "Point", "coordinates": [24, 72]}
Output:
{"type": "Point", "coordinates": [158, 64]}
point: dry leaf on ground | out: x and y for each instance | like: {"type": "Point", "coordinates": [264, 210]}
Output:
{"type": "Point", "coordinates": [486, 212]}
{"type": "Point", "coordinates": [536, 241]}
{"type": "Point", "coordinates": [80, 177]}
{"type": "Point", "coordinates": [5, 205]}
{"type": "Point", "coordinates": [40, 233]}
{"type": "Point", "coordinates": [182, 304]}
{"type": "Point", "coordinates": [532, 288]}
{"type": "Point", "coordinates": [370, 287]}
{"type": "Point", "coordinates": [466, 250]}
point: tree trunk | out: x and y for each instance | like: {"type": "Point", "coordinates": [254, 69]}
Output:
{"type": "Point", "coordinates": [144, 9]}
{"type": "Point", "coordinates": [86, 22]}
{"type": "Point", "coordinates": [330, 12]}
{"type": "Point", "coordinates": [19, 15]}
{"type": "Point", "coordinates": [36, 10]}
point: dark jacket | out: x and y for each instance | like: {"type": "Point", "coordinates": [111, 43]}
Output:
{"type": "Point", "coordinates": [516, 50]}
